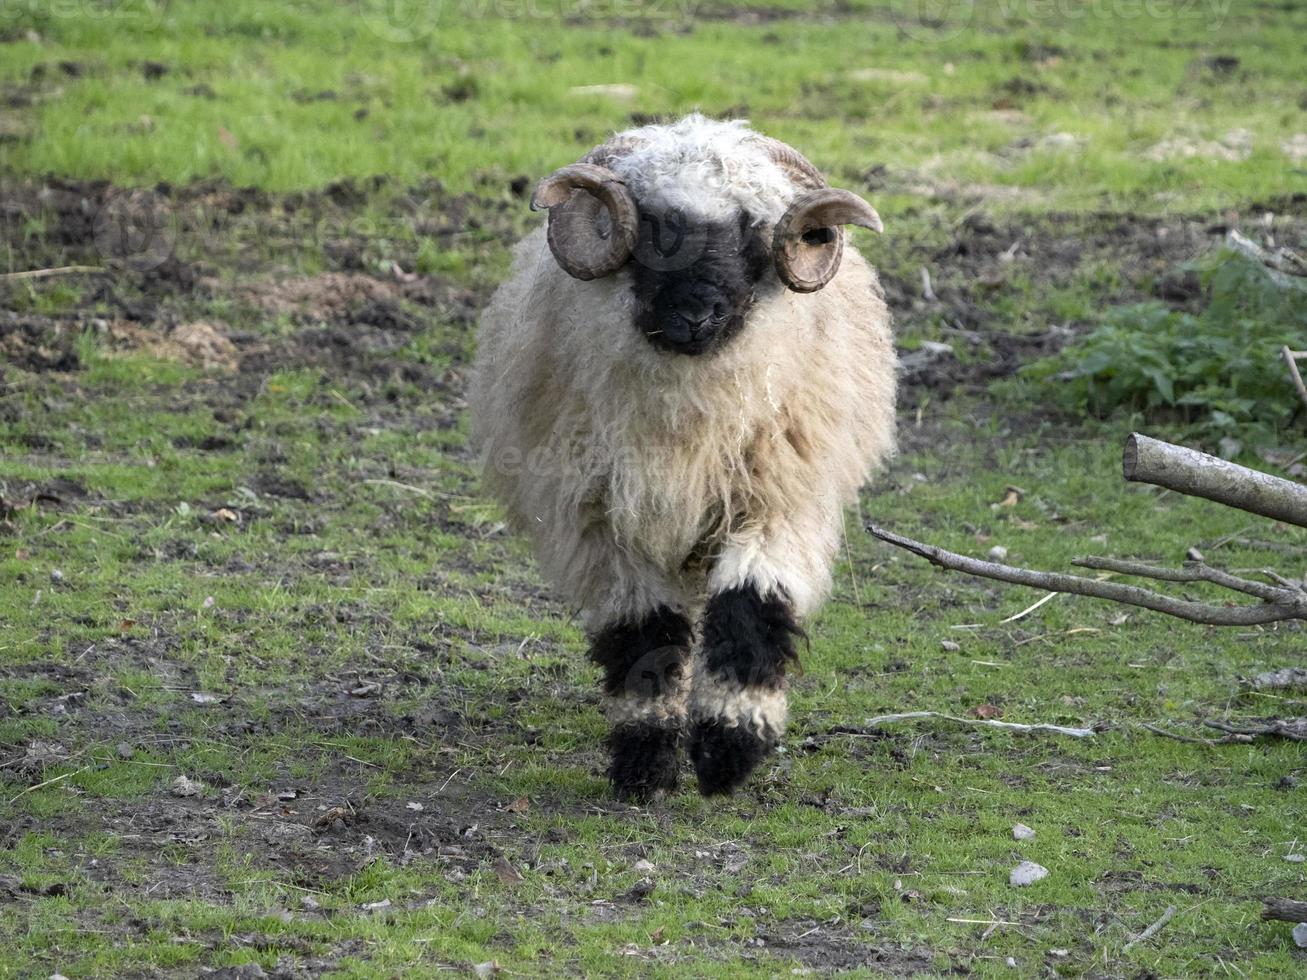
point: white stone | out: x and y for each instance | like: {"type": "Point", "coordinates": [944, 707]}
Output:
{"type": "Point", "coordinates": [182, 786]}
{"type": "Point", "coordinates": [1027, 873]}
{"type": "Point", "coordinates": [1022, 832]}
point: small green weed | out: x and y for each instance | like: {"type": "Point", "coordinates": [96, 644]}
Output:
{"type": "Point", "coordinates": [1217, 371]}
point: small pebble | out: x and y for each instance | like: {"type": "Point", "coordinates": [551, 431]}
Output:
{"type": "Point", "coordinates": [1027, 873]}
{"type": "Point", "coordinates": [56, 575]}
{"type": "Point", "coordinates": [1300, 935]}
{"type": "Point", "coordinates": [1295, 858]}
{"type": "Point", "coordinates": [1022, 832]}
{"type": "Point", "coordinates": [1012, 962]}
{"type": "Point", "coordinates": [642, 865]}
{"type": "Point", "coordinates": [997, 553]}
{"type": "Point", "coordinates": [309, 903]}
{"type": "Point", "coordinates": [951, 646]}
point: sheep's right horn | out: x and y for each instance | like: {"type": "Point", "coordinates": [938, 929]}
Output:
{"type": "Point", "coordinates": [808, 241]}
{"type": "Point", "coordinates": [593, 219]}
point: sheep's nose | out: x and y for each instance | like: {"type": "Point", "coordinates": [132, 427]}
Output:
{"type": "Point", "coordinates": [696, 312]}
{"type": "Point", "coordinates": [697, 322]}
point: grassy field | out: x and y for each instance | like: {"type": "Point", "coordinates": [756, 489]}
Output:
{"type": "Point", "coordinates": [277, 688]}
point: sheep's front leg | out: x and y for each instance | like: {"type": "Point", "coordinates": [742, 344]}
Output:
{"type": "Point", "coordinates": [739, 702]}
{"type": "Point", "coordinates": [760, 586]}
{"type": "Point", "coordinates": [646, 683]}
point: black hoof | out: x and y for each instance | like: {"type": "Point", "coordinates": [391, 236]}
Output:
{"type": "Point", "coordinates": [645, 762]}
{"type": "Point", "coordinates": [724, 757]}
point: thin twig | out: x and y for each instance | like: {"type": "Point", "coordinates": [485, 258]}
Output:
{"type": "Point", "coordinates": [1191, 572]}
{"type": "Point", "coordinates": [1291, 605]}
{"type": "Point", "coordinates": [1291, 359]}
{"type": "Point", "coordinates": [1154, 929]}
{"type": "Point", "coordinates": [66, 270]}
{"type": "Point", "coordinates": [987, 722]}
{"type": "Point", "coordinates": [1193, 740]}
{"type": "Point", "coordinates": [48, 782]}
{"type": "Point", "coordinates": [429, 494]}
{"type": "Point", "coordinates": [927, 290]}
{"type": "Point", "coordinates": [1029, 609]}
{"type": "Point", "coordinates": [983, 922]}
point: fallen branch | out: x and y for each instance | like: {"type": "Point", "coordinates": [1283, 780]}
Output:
{"type": "Point", "coordinates": [1197, 474]}
{"type": "Point", "coordinates": [1154, 929]}
{"type": "Point", "coordinates": [1294, 729]}
{"type": "Point", "coordinates": [1289, 603]}
{"type": "Point", "coordinates": [1194, 740]}
{"type": "Point", "coordinates": [1284, 910]}
{"type": "Point", "coordinates": [1281, 260]}
{"type": "Point", "coordinates": [1284, 679]}
{"type": "Point", "coordinates": [1011, 726]}
{"type": "Point", "coordinates": [66, 270]}
{"type": "Point", "coordinates": [1291, 358]}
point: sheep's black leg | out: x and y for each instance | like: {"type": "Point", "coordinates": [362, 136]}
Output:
{"type": "Point", "coordinates": [646, 684]}
{"type": "Point", "coordinates": [739, 701]}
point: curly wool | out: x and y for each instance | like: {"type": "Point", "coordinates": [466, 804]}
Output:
{"type": "Point", "coordinates": [706, 168]}
{"type": "Point", "coordinates": [646, 479]}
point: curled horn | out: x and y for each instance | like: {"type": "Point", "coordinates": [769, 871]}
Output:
{"type": "Point", "coordinates": [793, 162]}
{"type": "Point", "coordinates": [808, 243]}
{"type": "Point", "coordinates": [593, 219]}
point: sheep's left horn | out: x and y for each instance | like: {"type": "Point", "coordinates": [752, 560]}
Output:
{"type": "Point", "coordinates": [593, 219]}
{"type": "Point", "coordinates": [808, 241]}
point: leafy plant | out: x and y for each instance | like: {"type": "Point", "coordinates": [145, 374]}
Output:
{"type": "Point", "coordinates": [1218, 371]}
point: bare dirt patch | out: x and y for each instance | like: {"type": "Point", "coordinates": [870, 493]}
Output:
{"type": "Point", "coordinates": [198, 344]}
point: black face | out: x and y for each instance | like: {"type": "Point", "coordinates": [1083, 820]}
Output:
{"type": "Point", "coordinates": [694, 284]}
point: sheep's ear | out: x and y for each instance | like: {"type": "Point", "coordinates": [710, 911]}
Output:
{"type": "Point", "coordinates": [808, 243]}
{"type": "Point", "coordinates": [593, 219]}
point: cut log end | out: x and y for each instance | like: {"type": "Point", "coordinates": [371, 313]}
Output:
{"type": "Point", "coordinates": [1130, 456]}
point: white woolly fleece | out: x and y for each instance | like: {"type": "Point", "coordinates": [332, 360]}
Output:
{"type": "Point", "coordinates": [638, 473]}
{"type": "Point", "coordinates": [706, 168]}
{"type": "Point", "coordinates": [765, 711]}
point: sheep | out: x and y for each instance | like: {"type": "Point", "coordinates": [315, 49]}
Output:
{"type": "Point", "coordinates": [685, 379]}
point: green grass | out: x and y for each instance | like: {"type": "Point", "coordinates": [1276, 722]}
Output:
{"type": "Point", "coordinates": [295, 96]}
{"type": "Point", "coordinates": [365, 635]}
